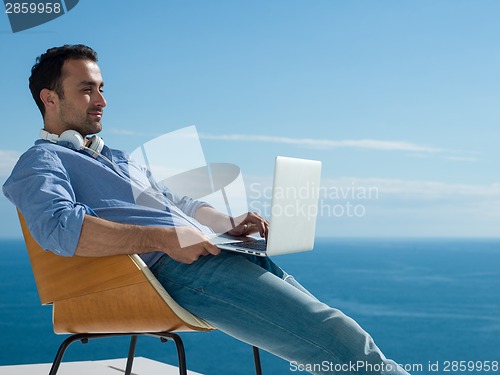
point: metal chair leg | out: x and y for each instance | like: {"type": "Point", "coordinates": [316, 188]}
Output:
{"type": "Point", "coordinates": [256, 359]}
{"type": "Point", "coordinates": [62, 349]}
{"type": "Point", "coordinates": [164, 336]}
{"type": "Point", "coordinates": [131, 354]}
{"type": "Point", "coordinates": [181, 353]}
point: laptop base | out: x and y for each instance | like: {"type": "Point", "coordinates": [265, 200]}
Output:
{"type": "Point", "coordinates": [254, 247]}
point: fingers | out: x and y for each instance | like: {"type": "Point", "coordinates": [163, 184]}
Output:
{"type": "Point", "coordinates": [257, 224]}
{"type": "Point", "coordinates": [250, 223]}
{"type": "Point", "coordinates": [190, 246]}
{"type": "Point", "coordinates": [240, 230]}
{"type": "Point", "coordinates": [191, 254]}
{"type": "Point", "coordinates": [264, 228]}
{"type": "Point", "coordinates": [210, 248]}
{"type": "Point", "coordinates": [203, 248]}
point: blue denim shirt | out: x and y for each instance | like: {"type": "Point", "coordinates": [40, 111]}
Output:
{"type": "Point", "coordinates": [54, 187]}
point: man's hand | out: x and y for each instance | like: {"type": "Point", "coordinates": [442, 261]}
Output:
{"type": "Point", "coordinates": [243, 225]}
{"type": "Point", "coordinates": [190, 245]}
{"type": "Point", "coordinates": [249, 223]}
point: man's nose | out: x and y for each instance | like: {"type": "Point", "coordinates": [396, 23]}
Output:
{"type": "Point", "coordinates": [100, 100]}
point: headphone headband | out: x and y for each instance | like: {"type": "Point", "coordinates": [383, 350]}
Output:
{"type": "Point", "coordinates": [44, 134]}
{"type": "Point", "coordinates": [75, 141]}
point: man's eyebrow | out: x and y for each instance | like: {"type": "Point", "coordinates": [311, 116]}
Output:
{"type": "Point", "coordinates": [91, 83]}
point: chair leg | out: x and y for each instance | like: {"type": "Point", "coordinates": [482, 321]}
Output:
{"type": "Point", "coordinates": [181, 353]}
{"type": "Point", "coordinates": [256, 359]}
{"type": "Point", "coordinates": [62, 349]}
{"type": "Point", "coordinates": [84, 338]}
{"type": "Point", "coordinates": [131, 354]}
{"type": "Point", "coordinates": [164, 336]}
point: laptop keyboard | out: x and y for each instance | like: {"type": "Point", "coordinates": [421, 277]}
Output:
{"type": "Point", "coordinates": [255, 245]}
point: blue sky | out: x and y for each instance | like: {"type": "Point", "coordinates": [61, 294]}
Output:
{"type": "Point", "coordinates": [400, 98]}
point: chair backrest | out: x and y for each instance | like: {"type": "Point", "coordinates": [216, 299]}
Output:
{"type": "Point", "coordinates": [104, 294]}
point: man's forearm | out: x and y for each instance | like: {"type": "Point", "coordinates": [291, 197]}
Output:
{"type": "Point", "coordinates": [216, 220]}
{"type": "Point", "coordinates": [101, 237]}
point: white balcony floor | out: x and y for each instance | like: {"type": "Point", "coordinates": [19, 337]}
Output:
{"type": "Point", "coordinates": [142, 366]}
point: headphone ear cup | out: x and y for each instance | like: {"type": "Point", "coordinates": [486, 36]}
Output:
{"type": "Point", "coordinates": [74, 139]}
{"type": "Point", "coordinates": [95, 145]}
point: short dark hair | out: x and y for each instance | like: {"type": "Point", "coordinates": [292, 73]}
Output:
{"type": "Point", "coordinates": [46, 73]}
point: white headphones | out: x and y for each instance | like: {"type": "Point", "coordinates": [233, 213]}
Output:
{"type": "Point", "coordinates": [75, 141]}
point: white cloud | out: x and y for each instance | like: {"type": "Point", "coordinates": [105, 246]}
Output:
{"type": "Point", "coordinates": [8, 159]}
{"type": "Point", "coordinates": [387, 187]}
{"type": "Point", "coordinates": [413, 149]}
{"type": "Point", "coordinates": [419, 188]}
{"type": "Point", "coordinates": [131, 133]}
{"type": "Point", "coordinates": [463, 158]}
{"type": "Point", "coordinates": [371, 144]}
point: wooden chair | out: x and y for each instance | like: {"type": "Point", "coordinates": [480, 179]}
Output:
{"type": "Point", "coordinates": [109, 296]}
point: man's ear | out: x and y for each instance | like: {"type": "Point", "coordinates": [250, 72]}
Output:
{"type": "Point", "coordinates": [49, 98]}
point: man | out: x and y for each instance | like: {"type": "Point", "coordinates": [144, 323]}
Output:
{"type": "Point", "coordinates": [77, 198]}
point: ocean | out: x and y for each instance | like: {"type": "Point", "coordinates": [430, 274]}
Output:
{"type": "Point", "coordinates": [432, 305]}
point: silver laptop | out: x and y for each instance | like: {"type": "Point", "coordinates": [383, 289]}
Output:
{"type": "Point", "coordinates": [294, 208]}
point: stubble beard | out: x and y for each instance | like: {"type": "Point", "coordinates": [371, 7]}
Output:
{"type": "Point", "coordinates": [73, 120]}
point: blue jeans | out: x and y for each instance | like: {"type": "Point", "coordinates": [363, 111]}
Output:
{"type": "Point", "coordinates": [253, 300]}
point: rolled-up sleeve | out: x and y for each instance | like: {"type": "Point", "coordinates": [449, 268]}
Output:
{"type": "Point", "coordinates": [41, 189]}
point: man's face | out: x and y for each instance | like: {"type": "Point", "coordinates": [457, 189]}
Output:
{"type": "Point", "coordinates": [82, 104]}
